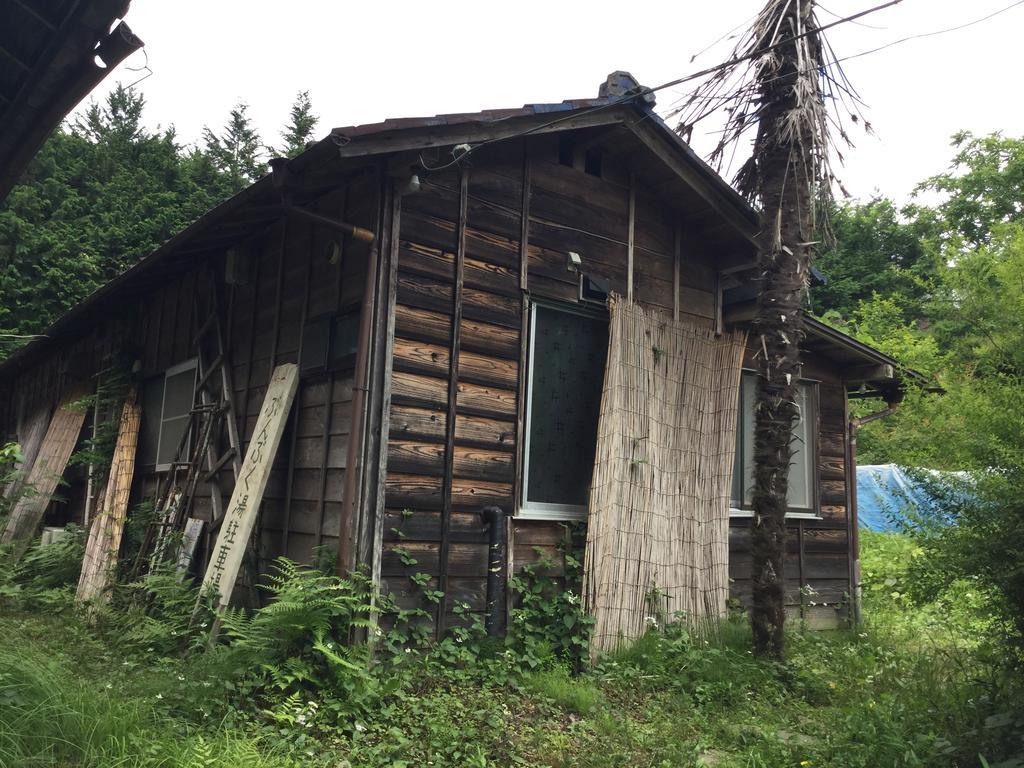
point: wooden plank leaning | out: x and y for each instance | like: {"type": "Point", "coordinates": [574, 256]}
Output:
{"type": "Point", "coordinates": [104, 542]}
{"type": "Point", "coordinates": [240, 517]}
{"type": "Point", "coordinates": [31, 432]}
{"type": "Point", "coordinates": [61, 438]}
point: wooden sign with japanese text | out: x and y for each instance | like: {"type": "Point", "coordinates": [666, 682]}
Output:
{"type": "Point", "coordinates": [240, 516]}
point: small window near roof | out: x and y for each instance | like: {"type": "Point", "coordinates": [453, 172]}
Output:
{"type": "Point", "coordinates": [344, 339]}
{"type": "Point", "coordinates": [567, 358]}
{"type": "Point", "coordinates": [329, 342]}
{"type": "Point", "coordinates": [801, 472]}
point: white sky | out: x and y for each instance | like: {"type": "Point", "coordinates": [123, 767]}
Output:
{"type": "Point", "coordinates": [363, 62]}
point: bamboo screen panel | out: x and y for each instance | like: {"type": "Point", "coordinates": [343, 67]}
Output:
{"type": "Point", "coordinates": [659, 500]}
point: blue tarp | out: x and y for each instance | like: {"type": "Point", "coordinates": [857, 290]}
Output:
{"type": "Point", "coordinates": [884, 493]}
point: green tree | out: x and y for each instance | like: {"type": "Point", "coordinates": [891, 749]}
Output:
{"type": "Point", "coordinates": [236, 150]}
{"type": "Point", "coordinates": [100, 194]}
{"type": "Point", "coordinates": [301, 124]}
{"type": "Point", "coordinates": [875, 251]}
{"type": "Point", "coordinates": [982, 189]}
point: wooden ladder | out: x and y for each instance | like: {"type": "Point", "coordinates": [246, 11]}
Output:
{"type": "Point", "coordinates": [199, 457]}
{"type": "Point", "coordinates": [209, 341]}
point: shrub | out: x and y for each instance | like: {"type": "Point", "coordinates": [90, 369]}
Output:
{"type": "Point", "coordinates": [547, 623]}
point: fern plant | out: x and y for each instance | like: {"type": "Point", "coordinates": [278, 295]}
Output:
{"type": "Point", "coordinates": [300, 641]}
{"type": "Point", "coordinates": [46, 575]}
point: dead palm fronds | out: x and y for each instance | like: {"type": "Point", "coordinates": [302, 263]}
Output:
{"type": "Point", "coordinates": [783, 88]}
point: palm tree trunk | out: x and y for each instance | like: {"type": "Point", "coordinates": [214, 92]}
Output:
{"type": "Point", "coordinates": [785, 177]}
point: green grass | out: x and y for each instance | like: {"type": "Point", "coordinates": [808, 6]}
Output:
{"type": "Point", "coordinates": [906, 692]}
{"type": "Point", "coordinates": [578, 695]}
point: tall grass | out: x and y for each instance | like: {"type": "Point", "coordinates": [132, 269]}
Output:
{"type": "Point", "coordinates": [51, 716]}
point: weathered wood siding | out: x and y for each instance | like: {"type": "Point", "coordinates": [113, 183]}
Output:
{"type": "Point", "coordinates": [817, 550]}
{"type": "Point", "coordinates": [465, 275]}
{"type": "Point", "coordinates": [454, 385]}
{"type": "Point", "coordinates": [291, 280]}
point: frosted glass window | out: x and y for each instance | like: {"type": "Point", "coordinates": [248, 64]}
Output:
{"type": "Point", "coordinates": [801, 471]}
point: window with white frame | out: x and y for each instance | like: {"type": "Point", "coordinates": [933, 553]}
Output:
{"type": "Point", "coordinates": [801, 498]}
{"type": "Point", "coordinates": [568, 347]}
{"type": "Point", "coordinates": [166, 406]}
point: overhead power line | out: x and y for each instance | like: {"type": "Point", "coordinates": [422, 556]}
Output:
{"type": "Point", "coordinates": [935, 32]}
{"type": "Point", "coordinates": [737, 60]}
{"type": "Point", "coordinates": [670, 84]}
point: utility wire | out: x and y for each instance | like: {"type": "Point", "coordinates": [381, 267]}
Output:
{"type": "Point", "coordinates": [732, 62]}
{"type": "Point", "coordinates": [670, 84]}
{"type": "Point", "coordinates": [933, 33]}
{"type": "Point", "coordinates": [838, 60]}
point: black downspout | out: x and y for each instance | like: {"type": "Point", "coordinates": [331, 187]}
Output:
{"type": "Point", "coordinates": [494, 519]}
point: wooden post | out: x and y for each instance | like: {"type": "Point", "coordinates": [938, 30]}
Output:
{"type": "Point", "coordinates": [524, 324]}
{"type": "Point", "coordinates": [240, 517]}
{"type": "Point", "coordinates": [290, 482]}
{"type": "Point", "coordinates": [386, 300]}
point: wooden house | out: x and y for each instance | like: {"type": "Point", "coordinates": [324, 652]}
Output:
{"type": "Point", "coordinates": [413, 269]}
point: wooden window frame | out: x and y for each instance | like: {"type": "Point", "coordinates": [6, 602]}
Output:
{"type": "Point", "coordinates": [541, 510]}
{"type": "Point", "coordinates": [813, 512]}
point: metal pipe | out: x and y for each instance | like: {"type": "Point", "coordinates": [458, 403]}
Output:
{"type": "Point", "coordinates": [853, 525]}
{"type": "Point", "coordinates": [887, 411]}
{"type": "Point", "coordinates": [494, 518]}
{"type": "Point", "coordinates": [357, 233]}
{"type": "Point", "coordinates": [347, 528]}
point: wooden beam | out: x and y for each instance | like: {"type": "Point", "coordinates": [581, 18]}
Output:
{"type": "Point", "coordinates": [423, 136]}
{"type": "Point", "coordinates": [726, 209]}
{"type": "Point", "coordinates": [861, 373]}
{"type": "Point", "coordinates": [27, 7]}
{"type": "Point", "coordinates": [15, 58]}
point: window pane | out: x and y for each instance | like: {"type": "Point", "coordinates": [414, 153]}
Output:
{"type": "Point", "coordinates": [170, 437]}
{"type": "Point", "coordinates": [567, 360]}
{"type": "Point", "coordinates": [179, 393]}
{"type": "Point", "coordinates": [149, 431]}
{"type": "Point", "coordinates": [749, 392]}
{"type": "Point", "coordinates": [803, 454]}
{"type": "Point", "coordinates": [736, 495]}
{"type": "Point", "coordinates": [344, 337]}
